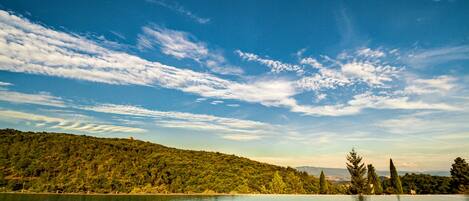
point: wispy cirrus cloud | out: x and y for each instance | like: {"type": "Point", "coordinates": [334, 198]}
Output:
{"type": "Point", "coordinates": [369, 101]}
{"type": "Point", "coordinates": [370, 53]}
{"type": "Point", "coordinates": [63, 124]}
{"type": "Point", "coordinates": [228, 128]}
{"type": "Point", "coordinates": [183, 45]}
{"type": "Point", "coordinates": [435, 56]}
{"type": "Point", "coordinates": [275, 65]}
{"type": "Point", "coordinates": [174, 6]}
{"type": "Point", "coordinates": [3, 84]}
{"type": "Point", "coordinates": [27, 47]}
{"type": "Point", "coordinates": [178, 44]}
{"type": "Point", "coordinates": [38, 99]}
{"type": "Point", "coordinates": [362, 66]}
{"type": "Point", "coordinates": [433, 126]}
{"type": "Point", "coordinates": [437, 85]}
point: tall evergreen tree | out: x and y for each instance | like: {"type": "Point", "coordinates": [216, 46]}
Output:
{"type": "Point", "coordinates": [323, 187]}
{"type": "Point", "coordinates": [395, 180]}
{"type": "Point", "coordinates": [374, 183]}
{"type": "Point", "coordinates": [460, 176]}
{"type": "Point", "coordinates": [357, 171]}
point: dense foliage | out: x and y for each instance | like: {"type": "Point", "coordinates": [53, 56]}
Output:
{"type": "Point", "coordinates": [460, 176]}
{"type": "Point", "coordinates": [45, 162]}
{"type": "Point", "coordinates": [426, 184]}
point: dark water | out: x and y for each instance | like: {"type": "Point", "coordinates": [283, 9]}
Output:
{"type": "Point", "coordinates": [43, 197]}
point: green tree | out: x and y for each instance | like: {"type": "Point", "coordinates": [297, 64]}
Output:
{"type": "Point", "coordinates": [323, 187]}
{"type": "Point", "coordinates": [357, 172]}
{"type": "Point", "coordinates": [373, 181]}
{"type": "Point", "coordinates": [294, 184]}
{"type": "Point", "coordinates": [277, 185]}
{"type": "Point", "coordinates": [460, 176]}
{"type": "Point", "coordinates": [425, 184]}
{"type": "Point", "coordinates": [395, 180]}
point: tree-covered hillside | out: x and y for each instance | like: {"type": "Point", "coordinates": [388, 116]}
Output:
{"type": "Point", "coordinates": [52, 162]}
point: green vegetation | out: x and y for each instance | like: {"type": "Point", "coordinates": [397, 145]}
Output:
{"type": "Point", "coordinates": [323, 186]}
{"type": "Point", "coordinates": [53, 162]}
{"type": "Point", "coordinates": [373, 181]}
{"type": "Point", "coordinates": [425, 184]}
{"type": "Point", "coordinates": [460, 176]}
{"type": "Point", "coordinates": [409, 183]}
{"type": "Point", "coordinates": [357, 171]}
{"type": "Point", "coordinates": [45, 162]}
{"type": "Point", "coordinates": [395, 180]}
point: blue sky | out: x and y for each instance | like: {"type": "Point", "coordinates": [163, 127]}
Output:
{"type": "Point", "coordinates": [289, 83]}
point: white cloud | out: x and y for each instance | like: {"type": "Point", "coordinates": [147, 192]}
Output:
{"type": "Point", "coordinates": [198, 100]}
{"type": "Point", "coordinates": [180, 9]}
{"type": "Point", "coordinates": [182, 45]}
{"type": "Point", "coordinates": [312, 62]}
{"type": "Point", "coordinates": [38, 99]}
{"type": "Point", "coordinates": [370, 73]}
{"type": "Point", "coordinates": [241, 137]}
{"type": "Point", "coordinates": [223, 126]}
{"type": "Point", "coordinates": [324, 79]}
{"type": "Point", "coordinates": [437, 125]}
{"type": "Point", "coordinates": [275, 66]}
{"type": "Point", "coordinates": [3, 84]}
{"type": "Point", "coordinates": [367, 52]}
{"type": "Point", "coordinates": [216, 102]}
{"type": "Point", "coordinates": [320, 97]}
{"type": "Point", "coordinates": [368, 100]}
{"type": "Point", "coordinates": [174, 43]}
{"type": "Point", "coordinates": [31, 48]}
{"type": "Point", "coordinates": [60, 123]}
{"type": "Point", "coordinates": [232, 105]}
{"type": "Point", "coordinates": [435, 56]}
{"type": "Point", "coordinates": [441, 84]}
{"type": "Point", "coordinates": [345, 73]}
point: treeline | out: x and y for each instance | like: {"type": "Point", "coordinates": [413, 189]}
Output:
{"type": "Point", "coordinates": [64, 163]}
{"type": "Point", "coordinates": [364, 179]}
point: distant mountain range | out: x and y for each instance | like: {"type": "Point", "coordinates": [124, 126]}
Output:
{"type": "Point", "coordinates": [342, 174]}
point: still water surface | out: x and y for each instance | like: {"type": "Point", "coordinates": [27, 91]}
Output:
{"type": "Point", "coordinates": [52, 197]}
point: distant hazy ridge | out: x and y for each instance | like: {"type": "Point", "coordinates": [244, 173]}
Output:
{"type": "Point", "coordinates": [341, 174]}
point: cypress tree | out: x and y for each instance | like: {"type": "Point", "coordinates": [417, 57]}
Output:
{"type": "Point", "coordinates": [374, 183]}
{"type": "Point", "coordinates": [323, 188]}
{"type": "Point", "coordinates": [357, 172]}
{"type": "Point", "coordinates": [395, 180]}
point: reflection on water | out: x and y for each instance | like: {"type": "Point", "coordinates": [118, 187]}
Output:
{"type": "Point", "coordinates": [58, 197]}
{"type": "Point", "coordinates": [360, 198]}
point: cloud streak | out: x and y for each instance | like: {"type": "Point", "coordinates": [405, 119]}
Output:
{"type": "Point", "coordinates": [436, 56]}
{"type": "Point", "coordinates": [27, 47]}
{"type": "Point", "coordinates": [274, 65]}
{"type": "Point", "coordinates": [63, 124]}
{"type": "Point", "coordinates": [38, 99]}
{"type": "Point", "coordinates": [181, 10]}
{"type": "Point", "coordinates": [182, 45]}
{"type": "Point", "coordinates": [228, 128]}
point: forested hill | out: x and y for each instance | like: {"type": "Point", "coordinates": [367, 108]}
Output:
{"type": "Point", "coordinates": [52, 162]}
